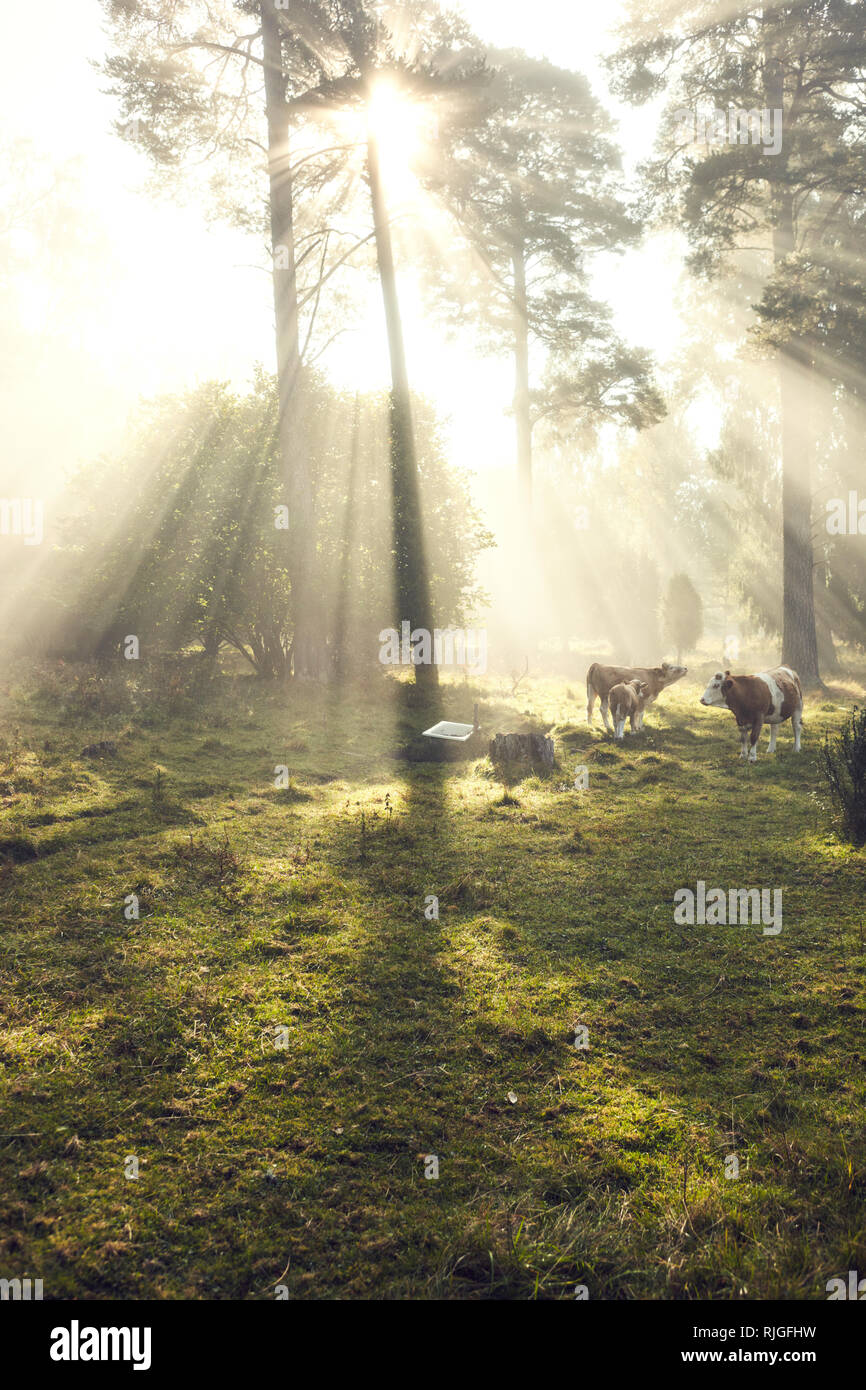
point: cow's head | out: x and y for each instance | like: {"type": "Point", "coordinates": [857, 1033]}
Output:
{"type": "Point", "coordinates": [640, 688]}
{"type": "Point", "coordinates": [667, 674]}
{"type": "Point", "coordinates": [717, 689]}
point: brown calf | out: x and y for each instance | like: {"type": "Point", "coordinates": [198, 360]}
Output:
{"type": "Point", "coordinates": [627, 700]}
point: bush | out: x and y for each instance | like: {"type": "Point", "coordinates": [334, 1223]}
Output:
{"type": "Point", "coordinates": [176, 539]}
{"type": "Point", "coordinates": [153, 690]}
{"type": "Point", "coordinates": [843, 762]}
{"type": "Point", "coordinates": [84, 692]}
{"type": "Point", "coordinates": [169, 686]}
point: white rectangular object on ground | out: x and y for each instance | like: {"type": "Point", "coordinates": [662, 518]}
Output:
{"type": "Point", "coordinates": [458, 733]}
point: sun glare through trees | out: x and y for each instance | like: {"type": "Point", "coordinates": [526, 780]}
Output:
{"type": "Point", "coordinates": [432, 668]}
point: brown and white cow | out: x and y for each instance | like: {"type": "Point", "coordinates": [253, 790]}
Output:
{"type": "Point", "coordinates": [770, 697]}
{"type": "Point", "coordinates": [600, 681]}
{"type": "Point", "coordinates": [627, 700]}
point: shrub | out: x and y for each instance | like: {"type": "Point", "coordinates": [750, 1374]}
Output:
{"type": "Point", "coordinates": [85, 691]}
{"type": "Point", "coordinates": [182, 544]}
{"type": "Point", "coordinates": [169, 686]}
{"type": "Point", "coordinates": [843, 763]}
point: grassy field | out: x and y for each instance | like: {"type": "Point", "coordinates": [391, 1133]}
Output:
{"type": "Point", "coordinates": [296, 1158]}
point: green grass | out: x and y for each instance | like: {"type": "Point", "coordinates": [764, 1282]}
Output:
{"type": "Point", "coordinates": [303, 908]}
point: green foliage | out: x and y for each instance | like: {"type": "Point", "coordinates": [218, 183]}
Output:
{"type": "Point", "coordinates": [183, 543]}
{"type": "Point", "coordinates": [789, 218]}
{"type": "Point", "coordinates": [682, 614]}
{"type": "Point", "coordinates": [842, 760]}
{"type": "Point", "coordinates": [808, 60]}
{"type": "Point", "coordinates": [108, 691]}
{"type": "Point", "coordinates": [531, 177]}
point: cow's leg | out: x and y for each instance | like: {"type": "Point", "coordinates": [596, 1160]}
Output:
{"type": "Point", "coordinates": [744, 740]}
{"type": "Point", "coordinates": [796, 722]}
{"type": "Point", "coordinates": [774, 730]}
{"type": "Point", "coordinates": [590, 704]}
{"type": "Point", "coordinates": [619, 729]}
{"type": "Point", "coordinates": [755, 735]}
{"type": "Point", "coordinates": [604, 711]}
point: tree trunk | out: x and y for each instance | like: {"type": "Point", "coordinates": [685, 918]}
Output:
{"type": "Point", "coordinates": [292, 443]}
{"type": "Point", "coordinates": [799, 638]}
{"type": "Point", "coordinates": [342, 657]}
{"type": "Point", "coordinates": [522, 419]}
{"type": "Point", "coordinates": [799, 634]}
{"type": "Point", "coordinates": [522, 747]}
{"type": "Point", "coordinates": [412, 584]}
{"type": "Point", "coordinates": [826, 648]}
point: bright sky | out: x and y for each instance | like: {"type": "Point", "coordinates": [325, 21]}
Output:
{"type": "Point", "coordinates": [175, 301]}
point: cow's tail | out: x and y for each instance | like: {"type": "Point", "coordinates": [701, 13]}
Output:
{"type": "Point", "coordinates": [590, 691]}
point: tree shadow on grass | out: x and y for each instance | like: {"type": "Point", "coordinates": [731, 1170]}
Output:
{"type": "Point", "coordinates": [674, 1016]}
{"type": "Point", "coordinates": [386, 1095]}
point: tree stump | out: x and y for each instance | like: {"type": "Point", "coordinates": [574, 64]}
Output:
{"type": "Point", "coordinates": [514, 748]}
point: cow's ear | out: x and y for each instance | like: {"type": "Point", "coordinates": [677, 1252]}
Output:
{"type": "Point", "coordinates": [727, 673]}
{"type": "Point", "coordinates": [727, 685]}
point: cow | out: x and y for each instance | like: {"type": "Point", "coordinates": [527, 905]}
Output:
{"type": "Point", "coordinates": [770, 697]}
{"type": "Point", "coordinates": [600, 680]}
{"type": "Point", "coordinates": [627, 700]}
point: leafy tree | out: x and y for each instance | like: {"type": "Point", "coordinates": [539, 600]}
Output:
{"type": "Point", "coordinates": [532, 178]}
{"type": "Point", "coordinates": [682, 614]}
{"type": "Point", "coordinates": [310, 56]}
{"type": "Point", "coordinates": [209, 85]}
{"type": "Point", "coordinates": [808, 62]}
{"type": "Point", "coordinates": [184, 544]}
{"type": "Point", "coordinates": [359, 50]}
